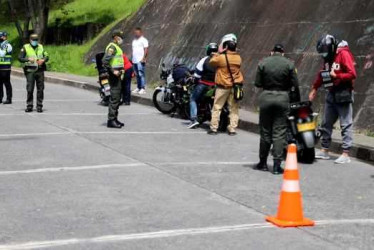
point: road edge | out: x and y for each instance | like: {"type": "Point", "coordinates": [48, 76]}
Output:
{"type": "Point", "coordinates": [358, 151]}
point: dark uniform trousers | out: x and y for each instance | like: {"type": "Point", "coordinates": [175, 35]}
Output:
{"type": "Point", "coordinates": [5, 81]}
{"type": "Point", "coordinates": [115, 96]}
{"type": "Point", "coordinates": [274, 109]}
{"type": "Point", "coordinates": [33, 78]}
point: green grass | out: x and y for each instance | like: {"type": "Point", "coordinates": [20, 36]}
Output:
{"type": "Point", "coordinates": [69, 58]}
{"type": "Point", "coordinates": [98, 11]}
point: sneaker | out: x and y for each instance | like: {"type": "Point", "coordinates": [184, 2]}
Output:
{"type": "Point", "coordinates": [232, 133]}
{"type": "Point", "coordinates": [323, 155]}
{"type": "Point", "coordinates": [343, 159]}
{"type": "Point", "coordinates": [135, 91]}
{"type": "Point", "coordinates": [142, 92]}
{"type": "Point", "coordinates": [193, 124]}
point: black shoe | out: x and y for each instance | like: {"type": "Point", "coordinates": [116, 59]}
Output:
{"type": "Point", "coordinates": [39, 109]}
{"type": "Point", "coordinates": [212, 132]}
{"type": "Point", "coordinates": [28, 109]}
{"type": "Point", "coordinates": [8, 101]}
{"type": "Point", "coordinates": [127, 103]}
{"type": "Point", "coordinates": [277, 169]}
{"type": "Point", "coordinates": [113, 124]}
{"type": "Point", "coordinates": [232, 133]}
{"type": "Point", "coordinates": [262, 165]}
{"type": "Point", "coordinates": [120, 123]}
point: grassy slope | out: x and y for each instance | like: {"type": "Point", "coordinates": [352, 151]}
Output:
{"type": "Point", "coordinates": [69, 58]}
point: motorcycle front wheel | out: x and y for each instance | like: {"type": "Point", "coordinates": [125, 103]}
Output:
{"type": "Point", "coordinates": [162, 102]}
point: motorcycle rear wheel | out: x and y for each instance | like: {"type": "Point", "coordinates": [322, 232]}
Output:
{"type": "Point", "coordinates": [307, 155]}
{"type": "Point", "coordinates": [158, 102]}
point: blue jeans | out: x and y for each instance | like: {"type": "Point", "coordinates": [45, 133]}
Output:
{"type": "Point", "coordinates": [197, 93]}
{"type": "Point", "coordinates": [140, 74]}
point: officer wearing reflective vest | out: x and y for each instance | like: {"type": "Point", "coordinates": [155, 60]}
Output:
{"type": "Point", "coordinates": [5, 67]}
{"type": "Point", "coordinates": [33, 56]}
{"type": "Point", "coordinates": [113, 62]}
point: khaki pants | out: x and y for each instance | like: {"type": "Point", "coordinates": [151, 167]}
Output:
{"type": "Point", "coordinates": [221, 97]}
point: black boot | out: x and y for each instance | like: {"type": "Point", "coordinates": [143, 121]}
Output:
{"type": "Point", "coordinates": [28, 109]}
{"type": "Point", "coordinates": [277, 169]}
{"type": "Point", "coordinates": [113, 124]}
{"type": "Point", "coordinates": [262, 165]}
{"type": "Point", "coordinates": [39, 109]}
{"type": "Point", "coordinates": [8, 101]}
{"type": "Point", "coordinates": [120, 123]}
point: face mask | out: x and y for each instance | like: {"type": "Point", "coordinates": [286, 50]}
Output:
{"type": "Point", "coordinates": [119, 41]}
{"type": "Point", "coordinates": [34, 43]}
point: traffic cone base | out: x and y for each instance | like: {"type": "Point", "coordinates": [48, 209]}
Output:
{"type": "Point", "coordinates": [290, 209]}
{"type": "Point", "coordinates": [305, 222]}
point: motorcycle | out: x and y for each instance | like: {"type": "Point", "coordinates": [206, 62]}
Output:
{"type": "Point", "coordinates": [174, 97]}
{"type": "Point", "coordinates": [303, 130]}
{"type": "Point", "coordinates": [103, 81]}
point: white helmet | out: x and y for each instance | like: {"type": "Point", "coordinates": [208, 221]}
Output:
{"type": "Point", "coordinates": [229, 38]}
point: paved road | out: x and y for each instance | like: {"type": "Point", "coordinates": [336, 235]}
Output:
{"type": "Point", "coordinates": [68, 182]}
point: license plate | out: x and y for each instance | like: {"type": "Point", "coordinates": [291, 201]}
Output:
{"type": "Point", "coordinates": [104, 81]}
{"type": "Point", "coordinates": [306, 126]}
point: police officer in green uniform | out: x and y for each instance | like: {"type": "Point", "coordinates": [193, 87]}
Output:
{"type": "Point", "coordinates": [5, 67]}
{"type": "Point", "coordinates": [113, 63]}
{"type": "Point", "coordinates": [33, 56]}
{"type": "Point", "coordinates": [277, 76]}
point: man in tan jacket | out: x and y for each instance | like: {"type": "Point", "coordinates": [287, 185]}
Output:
{"type": "Point", "coordinates": [225, 83]}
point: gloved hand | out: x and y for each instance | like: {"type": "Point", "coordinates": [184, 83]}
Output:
{"type": "Point", "coordinates": [2, 53]}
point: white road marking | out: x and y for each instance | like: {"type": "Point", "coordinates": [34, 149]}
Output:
{"type": "Point", "coordinates": [34, 134]}
{"type": "Point", "coordinates": [204, 163]}
{"type": "Point", "coordinates": [62, 100]}
{"type": "Point", "coordinates": [72, 132]}
{"type": "Point", "coordinates": [48, 170]}
{"type": "Point", "coordinates": [76, 114]}
{"type": "Point", "coordinates": [145, 132]}
{"type": "Point", "coordinates": [162, 234]}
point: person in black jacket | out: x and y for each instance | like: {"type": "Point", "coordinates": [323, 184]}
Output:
{"type": "Point", "coordinates": [205, 76]}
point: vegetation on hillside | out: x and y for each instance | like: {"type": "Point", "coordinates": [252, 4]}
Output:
{"type": "Point", "coordinates": [69, 58]}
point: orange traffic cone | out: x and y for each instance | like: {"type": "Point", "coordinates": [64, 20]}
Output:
{"type": "Point", "coordinates": [290, 210]}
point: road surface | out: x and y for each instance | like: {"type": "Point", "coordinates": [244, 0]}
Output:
{"type": "Point", "coordinates": [68, 182]}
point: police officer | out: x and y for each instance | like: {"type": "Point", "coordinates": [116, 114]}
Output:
{"type": "Point", "coordinates": [113, 62]}
{"type": "Point", "coordinates": [34, 57]}
{"type": "Point", "coordinates": [5, 67]}
{"type": "Point", "coordinates": [277, 76]}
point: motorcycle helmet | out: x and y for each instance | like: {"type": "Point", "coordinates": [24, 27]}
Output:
{"type": "Point", "coordinates": [229, 41]}
{"type": "Point", "coordinates": [211, 48]}
{"type": "Point", "coordinates": [327, 46]}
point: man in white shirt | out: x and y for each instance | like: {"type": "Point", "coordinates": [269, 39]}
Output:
{"type": "Point", "coordinates": [139, 59]}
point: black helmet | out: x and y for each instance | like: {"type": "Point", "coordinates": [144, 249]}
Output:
{"type": "Point", "coordinates": [117, 33]}
{"type": "Point", "coordinates": [278, 48]}
{"type": "Point", "coordinates": [211, 48]}
{"type": "Point", "coordinates": [327, 46]}
{"type": "Point", "coordinates": [3, 33]}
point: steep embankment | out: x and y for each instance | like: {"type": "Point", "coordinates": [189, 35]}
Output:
{"type": "Point", "coordinates": [181, 29]}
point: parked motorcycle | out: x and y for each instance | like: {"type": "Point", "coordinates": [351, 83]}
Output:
{"type": "Point", "coordinates": [103, 81]}
{"type": "Point", "coordinates": [303, 130]}
{"type": "Point", "coordinates": [173, 97]}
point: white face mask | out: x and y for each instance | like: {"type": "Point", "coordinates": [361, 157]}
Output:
{"type": "Point", "coordinates": [119, 40]}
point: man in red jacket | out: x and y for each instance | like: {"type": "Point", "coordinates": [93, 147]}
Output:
{"type": "Point", "coordinates": [337, 77]}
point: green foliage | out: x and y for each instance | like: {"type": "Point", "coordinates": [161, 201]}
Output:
{"type": "Point", "coordinates": [98, 11]}
{"type": "Point", "coordinates": [69, 58]}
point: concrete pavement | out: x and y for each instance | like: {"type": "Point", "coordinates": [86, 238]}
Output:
{"type": "Point", "coordinates": [68, 182]}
